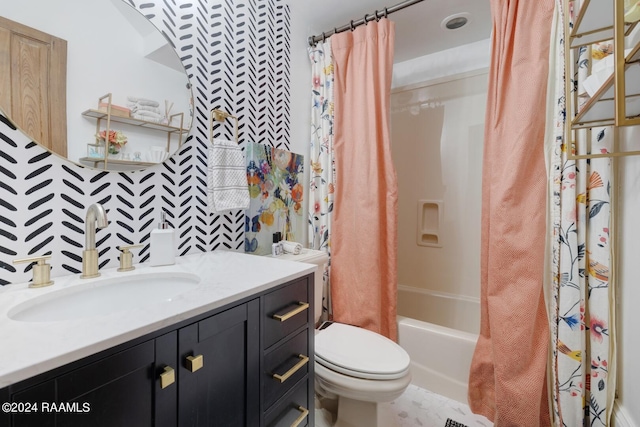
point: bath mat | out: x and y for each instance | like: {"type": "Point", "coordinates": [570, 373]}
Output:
{"type": "Point", "coordinates": [451, 423]}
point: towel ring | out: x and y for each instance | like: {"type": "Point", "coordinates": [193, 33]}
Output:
{"type": "Point", "coordinates": [221, 116]}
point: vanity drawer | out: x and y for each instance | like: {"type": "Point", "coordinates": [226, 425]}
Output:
{"type": "Point", "coordinates": [286, 310]}
{"type": "Point", "coordinates": [285, 366]}
{"type": "Point", "coordinates": [293, 409]}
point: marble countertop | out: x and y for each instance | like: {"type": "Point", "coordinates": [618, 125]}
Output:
{"type": "Point", "coordinates": [31, 348]}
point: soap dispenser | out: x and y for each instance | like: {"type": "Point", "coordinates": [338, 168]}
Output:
{"type": "Point", "coordinates": [162, 244]}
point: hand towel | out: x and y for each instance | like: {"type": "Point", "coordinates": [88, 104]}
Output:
{"type": "Point", "coordinates": [226, 177]}
{"type": "Point", "coordinates": [290, 247]}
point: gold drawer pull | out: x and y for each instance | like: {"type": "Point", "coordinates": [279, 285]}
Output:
{"type": "Point", "coordinates": [195, 362]}
{"type": "Point", "coordinates": [167, 377]}
{"type": "Point", "coordinates": [303, 415]}
{"type": "Point", "coordinates": [282, 317]}
{"type": "Point", "coordinates": [303, 361]}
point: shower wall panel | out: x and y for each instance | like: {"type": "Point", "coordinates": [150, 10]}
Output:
{"type": "Point", "coordinates": [437, 142]}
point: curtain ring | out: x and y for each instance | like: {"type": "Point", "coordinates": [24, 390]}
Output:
{"type": "Point", "coordinates": [324, 37]}
{"type": "Point", "coordinates": [365, 19]}
{"type": "Point", "coordinates": [377, 17]}
{"type": "Point", "coordinates": [351, 25]}
{"type": "Point", "coordinates": [386, 12]}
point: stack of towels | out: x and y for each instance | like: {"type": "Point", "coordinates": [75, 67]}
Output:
{"type": "Point", "coordinates": [145, 109]}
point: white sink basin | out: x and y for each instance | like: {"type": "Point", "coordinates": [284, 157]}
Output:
{"type": "Point", "coordinates": [104, 296]}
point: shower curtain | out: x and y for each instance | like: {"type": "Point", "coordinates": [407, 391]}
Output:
{"type": "Point", "coordinates": [583, 357]}
{"type": "Point", "coordinates": [364, 224]}
{"type": "Point", "coordinates": [322, 175]}
{"type": "Point", "coordinates": [507, 381]}
{"type": "Point", "coordinates": [321, 186]}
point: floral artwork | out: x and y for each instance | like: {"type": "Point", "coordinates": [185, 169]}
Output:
{"type": "Point", "coordinates": [117, 140]}
{"type": "Point", "coordinates": [275, 186]}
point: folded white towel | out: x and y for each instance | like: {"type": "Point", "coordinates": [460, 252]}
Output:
{"type": "Point", "coordinates": [143, 101]}
{"type": "Point", "coordinates": [227, 187]}
{"type": "Point", "coordinates": [146, 118]}
{"type": "Point", "coordinates": [135, 108]}
{"type": "Point", "coordinates": [290, 247]}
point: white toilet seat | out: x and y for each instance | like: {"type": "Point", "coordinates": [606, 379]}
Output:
{"type": "Point", "coordinates": [360, 353]}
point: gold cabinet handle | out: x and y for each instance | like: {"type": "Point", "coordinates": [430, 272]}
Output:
{"type": "Point", "coordinates": [167, 377]}
{"type": "Point", "coordinates": [303, 361]}
{"type": "Point", "coordinates": [301, 307]}
{"type": "Point", "coordinates": [195, 362]}
{"type": "Point", "coordinates": [304, 412]}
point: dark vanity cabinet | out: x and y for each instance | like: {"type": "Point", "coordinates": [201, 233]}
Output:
{"type": "Point", "coordinates": [113, 391]}
{"type": "Point", "coordinates": [287, 374]}
{"type": "Point", "coordinates": [246, 364]}
{"type": "Point", "coordinates": [219, 374]}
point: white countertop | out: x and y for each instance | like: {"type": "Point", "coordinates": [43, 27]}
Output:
{"type": "Point", "coordinates": [31, 348]}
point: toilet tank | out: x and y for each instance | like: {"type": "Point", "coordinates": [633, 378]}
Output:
{"type": "Point", "coordinates": [320, 260]}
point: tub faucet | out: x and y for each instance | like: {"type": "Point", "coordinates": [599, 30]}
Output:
{"type": "Point", "coordinates": [96, 218]}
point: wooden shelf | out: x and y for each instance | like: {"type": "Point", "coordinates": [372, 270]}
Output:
{"type": "Point", "coordinates": [101, 115]}
{"type": "Point", "coordinates": [97, 114]}
{"type": "Point", "coordinates": [97, 160]}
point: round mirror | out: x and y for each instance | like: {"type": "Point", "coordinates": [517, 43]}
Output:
{"type": "Point", "coordinates": [93, 81]}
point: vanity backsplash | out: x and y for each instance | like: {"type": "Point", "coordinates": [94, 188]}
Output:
{"type": "Point", "coordinates": [230, 52]}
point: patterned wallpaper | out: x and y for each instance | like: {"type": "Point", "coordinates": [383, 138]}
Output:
{"type": "Point", "coordinates": [236, 54]}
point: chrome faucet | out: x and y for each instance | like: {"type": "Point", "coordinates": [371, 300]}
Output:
{"type": "Point", "coordinates": [96, 218]}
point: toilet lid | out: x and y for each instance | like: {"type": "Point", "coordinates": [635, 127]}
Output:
{"type": "Point", "coordinates": [360, 353]}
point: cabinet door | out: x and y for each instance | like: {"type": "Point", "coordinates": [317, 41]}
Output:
{"type": "Point", "coordinates": [218, 377]}
{"type": "Point", "coordinates": [114, 391]}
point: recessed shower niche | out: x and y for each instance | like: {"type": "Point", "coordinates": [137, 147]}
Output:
{"type": "Point", "coordinates": [429, 217]}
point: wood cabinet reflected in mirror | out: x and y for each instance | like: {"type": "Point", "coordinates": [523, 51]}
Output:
{"type": "Point", "coordinates": [111, 49]}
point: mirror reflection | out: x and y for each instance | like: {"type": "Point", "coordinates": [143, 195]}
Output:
{"type": "Point", "coordinates": [128, 100]}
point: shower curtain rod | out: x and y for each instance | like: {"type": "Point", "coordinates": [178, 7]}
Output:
{"type": "Point", "coordinates": [368, 17]}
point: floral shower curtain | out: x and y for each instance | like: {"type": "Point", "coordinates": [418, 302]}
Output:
{"type": "Point", "coordinates": [322, 175]}
{"type": "Point", "coordinates": [583, 381]}
{"type": "Point", "coordinates": [322, 162]}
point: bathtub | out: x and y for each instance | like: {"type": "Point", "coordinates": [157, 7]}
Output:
{"type": "Point", "coordinates": [439, 331]}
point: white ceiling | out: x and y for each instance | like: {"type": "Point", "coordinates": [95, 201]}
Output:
{"type": "Point", "coordinates": [418, 30]}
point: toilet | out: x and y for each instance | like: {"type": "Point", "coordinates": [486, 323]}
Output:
{"type": "Point", "coordinates": [363, 370]}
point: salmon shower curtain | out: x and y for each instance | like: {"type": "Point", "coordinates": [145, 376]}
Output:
{"type": "Point", "coordinates": [364, 235]}
{"type": "Point", "coordinates": [507, 381]}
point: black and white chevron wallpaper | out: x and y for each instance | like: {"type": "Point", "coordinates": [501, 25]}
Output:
{"type": "Point", "coordinates": [237, 56]}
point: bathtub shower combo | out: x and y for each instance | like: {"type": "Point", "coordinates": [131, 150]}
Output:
{"type": "Point", "coordinates": [437, 144]}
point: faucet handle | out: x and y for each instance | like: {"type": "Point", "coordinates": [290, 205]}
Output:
{"type": "Point", "coordinates": [41, 271]}
{"type": "Point", "coordinates": [126, 257]}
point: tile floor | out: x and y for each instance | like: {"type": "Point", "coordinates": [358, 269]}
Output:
{"type": "Point", "coordinates": [422, 408]}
